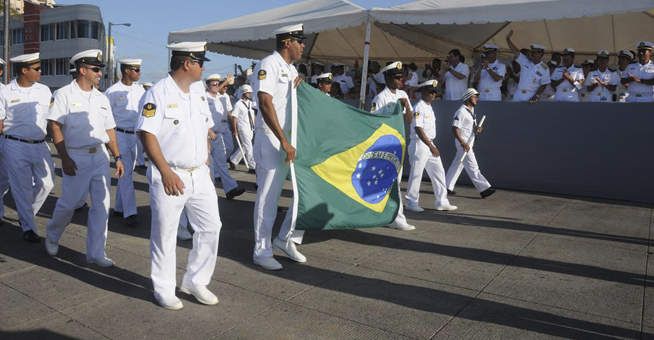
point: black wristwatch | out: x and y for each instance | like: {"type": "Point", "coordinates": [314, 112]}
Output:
{"type": "Point", "coordinates": [118, 158]}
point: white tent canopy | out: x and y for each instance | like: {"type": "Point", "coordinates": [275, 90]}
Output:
{"type": "Point", "coordinates": [335, 28]}
{"type": "Point", "coordinates": [585, 25]}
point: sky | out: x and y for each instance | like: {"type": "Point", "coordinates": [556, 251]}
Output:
{"type": "Point", "coordinates": [152, 20]}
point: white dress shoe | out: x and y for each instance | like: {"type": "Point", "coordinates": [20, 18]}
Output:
{"type": "Point", "coordinates": [201, 293]}
{"type": "Point", "coordinates": [401, 226]}
{"type": "Point", "coordinates": [51, 247]}
{"type": "Point", "coordinates": [103, 262]}
{"type": "Point", "coordinates": [414, 208]}
{"type": "Point", "coordinates": [446, 207]}
{"type": "Point", "coordinates": [183, 234]}
{"type": "Point", "coordinates": [268, 263]}
{"type": "Point", "coordinates": [169, 302]}
{"type": "Point", "coordinates": [288, 248]}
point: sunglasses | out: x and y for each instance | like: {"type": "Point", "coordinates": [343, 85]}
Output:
{"type": "Point", "coordinates": [94, 69]}
{"type": "Point", "coordinates": [199, 62]}
{"type": "Point", "coordinates": [215, 83]}
{"type": "Point", "coordinates": [299, 41]}
{"type": "Point", "coordinates": [399, 77]}
{"type": "Point", "coordinates": [37, 69]}
{"type": "Point", "coordinates": [137, 70]}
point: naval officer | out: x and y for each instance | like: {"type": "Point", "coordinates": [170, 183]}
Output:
{"type": "Point", "coordinates": [640, 76]}
{"type": "Point", "coordinates": [124, 98]}
{"type": "Point", "coordinates": [324, 82]}
{"type": "Point", "coordinates": [276, 78]}
{"type": "Point", "coordinates": [602, 81]}
{"type": "Point", "coordinates": [534, 73]}
{"type": "Point", "coordinates": [82, 123]}
{"type": "Point", "coordinates": [24, 106]}
{"type": "Point", "coordinates": [567, 79]}
{"type": "Point", "coordinates": [490, 75]}
{"type": "Point", "coordinates": [173, 126]}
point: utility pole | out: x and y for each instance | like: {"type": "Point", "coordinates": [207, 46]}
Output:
{"type": "Point", "coordinates": [5, 78]}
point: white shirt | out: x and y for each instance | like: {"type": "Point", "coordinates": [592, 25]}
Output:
{"type": "Point", "coordinates": [643, 72]}
{"type": "Point", "coordinates": [24, 110]}
{"type": "Point", "coordinates": [413, 81]}
{"type": "Point", "coordinates": [577, 75]}
{"type": "Point", "coordinates": [218, 114]}
{"type": "Point", "coordinates": [384, 103]}
{"type": "Point", "coordinates": [226, 100]}
{"type": "Point", "coordinates": [244, 112]}
{"type": "Point", "coordinates": [180, 121]}
{"type": "Point", "coordinates": [601, 93]}
{"type": "Point", "coordinates": [124, 101]}
{"type": "Point", "coordinates": [454, 87]}
{"type": "Point", "coordinates": [486, 81]}
{"type": "Point", "coordinates": [85, 116]}
{"type": "Point", "coordinates": [345, 83]}
{"type": "Point", "coordinates": [464, 119]}
{"type": "Point", "coordinates": [532, 76]}
{"type": "Point", "coordinates": [423, 117]}
{"type": "Point", "coordinates": [276, 80]}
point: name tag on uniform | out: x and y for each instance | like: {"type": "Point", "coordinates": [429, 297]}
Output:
{"type": "Point", "coordinates": [104, 108]}
{"type": "Point", "coordinates": [15, 101]}
{"type": "Point", "coordinates": [173, 106]}
{"type": "Point", "coordinates": [121, 98]}
{"type": "Point", "coordinates": [76, 104]}
{"type": "Point", "coordinates": [284, 75]}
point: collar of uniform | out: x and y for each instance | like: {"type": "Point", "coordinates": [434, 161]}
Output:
{"type": "Point", "coordinates": [280, 60]}
{"type": "Point", "coordinates": [171, 86]}
{"type": "Point", "coordinates": [471, 110]}
{"type": "Point", "coordinates": [75, 89]}
{"type": "Point", "coordinates": [14, 85]}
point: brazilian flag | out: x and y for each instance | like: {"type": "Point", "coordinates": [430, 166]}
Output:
{"type": "Point", "coordinates": [347, 163]}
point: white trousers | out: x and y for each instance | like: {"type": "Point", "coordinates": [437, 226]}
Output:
{"type": "Point", "coordinates": [140, 158]}
{"type": "Point", "coordinates": [201, 204]}
{"type": "Point", "coordinates": [219, 164]}
{"type": "Point", "coordinates": [125, 197]}
{"type": "Point", "coordinates": [470, 164]}
{"type": "Point", "coordinates": [490, 95]}
{"type": "Point", "coordinates": [4, 177]}
{"type": "Point", "coordinates": [228, 140]}
{"type": "Point", "coordinates": [271, 175]}
{"type": "Point", "coordinates": [520, 96]}
{"type": "Point", "coordinates": [400, 219]}
{"type": "Point", "coordinates": [31, 172]}
{"type": "Point", "coordinates": [421, 158]}
{"type": "Point", "coordinates": [245, 136]}
{"type": "Point", "coordinates": [92, 176]}
{"type": "Point", "coordinates": [640, 98]}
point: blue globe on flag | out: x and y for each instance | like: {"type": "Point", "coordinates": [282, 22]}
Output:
{"type": "Point", "coordinates": [377, 169]}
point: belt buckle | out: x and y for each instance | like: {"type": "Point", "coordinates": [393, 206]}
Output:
{"type": "Point", "coordinates": [565, 90]}
{"type": "Point", "coordinates": [192, 169]}
{"type": "Point", "coordinates": [30, 141]}
{"type": "Point", "coordinates": [524, 91]}
{"type": "Point", "coordinates": [93, 150]}
{"type": "Point", "coordinates": [638, 95]}
{"type": "Point", "coordinates": [486, 90]}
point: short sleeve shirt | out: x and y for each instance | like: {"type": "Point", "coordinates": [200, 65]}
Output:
{"type": "Point", "coordinates": [601, 93]}
{"type": "Point", "coordinates": [643, 72]}
{"type": "Point", "coordinates": [487, 82]}
{"type": "Point", "coordinates": [464, 120]}
{"type": "Point", "coordinates": [384, 103]}
{"type": "Point", "coordinates": [455, 87]}
{"type": "Point", "coordinates": [180, 122]}
{"type": "Point", "coordinates": [275, 77]}
{"type": "Point", "coordinates": [423, 117]}
{"type": "Point", "coordinates": [576, 73]}
{"type": "Point", "coordinates": [243, 112]}
{"type": "Point", "coordinates": [85, 116]}
{"type": "Point", "coordinates": [124, 101]}
{"type": "Point", "coordinates": [345, 82]}
{"type": "Point", "coordinates": [532, 76]}
{"type": "Point", "coordinates": [24, 110]}
{"type": "Point", "coordinates": [218, 114]}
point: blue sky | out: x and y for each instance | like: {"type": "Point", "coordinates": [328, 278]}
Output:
{"type": "Point", "coordinates": [152, 20]}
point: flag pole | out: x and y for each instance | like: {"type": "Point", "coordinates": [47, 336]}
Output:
{"type": "Point", "coordinates": [364, 71]}
{"type": "Point", "coordinates": [240, 147]}
{"type": "Point", "coordinates": [471, 140]}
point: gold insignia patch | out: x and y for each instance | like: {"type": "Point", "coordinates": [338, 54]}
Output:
{"type": "Point", "coordinates": [544, 66]}
{"type": "Point", "coordinates": [15, 101]}
{"type": "Point", "coordinates": [149, 110]}
{"type": "Point", "coordinates": [176, 122]}
{"type": "Point", "coordinates": [52, 102]}
{"type": "Point", "coordinates": [99, 56]}
{"type": "Point", "coordinates": [373, 107]}
{"type": "Point", "coordinates": [262, 75]}
{"type": "Point", "coordinates": [416, 115]}
{"type": "Point", "coordinates": [173, 106]}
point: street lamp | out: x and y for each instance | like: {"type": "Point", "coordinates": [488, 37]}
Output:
{"type": "Point", "coordinates": [110, 74]}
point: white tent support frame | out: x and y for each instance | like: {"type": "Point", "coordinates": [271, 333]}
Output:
{"type": "Point", "coordinates": [364, 70]}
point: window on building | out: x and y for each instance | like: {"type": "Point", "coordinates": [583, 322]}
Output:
{"type": "Point", "coordinates": [62, 30]}
{"type": "Point", "coordinates": [47, 32]}
{"type": "Point", "coordinates": [73, 29]}
{"type": "Point", "coordinates": [46, 67]}
{"type": "Point", "coordinates": [61, 66]}
{"type": "Point", "coordinates": [17, 36]}
{"type": "Point", "coordinates": [88, 29]}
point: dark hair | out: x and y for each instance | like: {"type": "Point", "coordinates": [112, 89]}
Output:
{"type": "Point", "coordinates": [280, 43]}
{"type": "Point", "coordinates": [455, 52]}
{"type": "Point", "coordinates": [177, 61]}
{"type": "Point", "coordinates": [19, 67]}
{"type": "Point", "coordinates": [413, 67]}
{"type": "Point", "coordinates": [302, 68]}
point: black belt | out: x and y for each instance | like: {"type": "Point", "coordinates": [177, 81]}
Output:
{"type": "Point", "coordinates": [25, 140]}
{"type": "Point", "coordinates": [124, 131]}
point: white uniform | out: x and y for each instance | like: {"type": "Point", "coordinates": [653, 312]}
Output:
{"type": "Point", "coordinates": [421, 158]}
{"type": "Point", "coordinates": [4, 177]}
{"type": "Point", "coordinates": [226, 133]}
{"type": "Point", "coordinates": [567, 92]}
{"type": "Point", "coordinates": [455, 87]}
{"type": "Point", "coordinates": [86, 117]}
{"type": "Point", "coordinates": [639, 92]}
{"type": "Point", "coordinates": [218, 155]}
{"type": "Point", "coordinates": [489, 89]}
{"type": "Point", "coordinates": [345, 82]}
{"type": "Point", "coordinates": [511, 87]}
{"type": "Point", "coordinates": [622, 91]}
{"type": "Point", "coordinates": [244, 112]}
{"type": "Point", "coordinates": [180, 122]}
{"type": "Point", "coordinates": [532, 76]}
{"type": "Point", "coordinates": [124, 101]}
{"type": "Point", "coordinates": [274, 77]}
{"type": "Point", "coordinates": [384, 104]}
{"type": "Point", "coordinates": [466, 121]}
{"type": "Point", "coordinates": [28, 161]}
{"type": "Point", "coordinates": [601, 93]}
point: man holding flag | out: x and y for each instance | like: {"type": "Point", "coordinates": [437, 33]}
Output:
{"type": "Point", "coordinates": [276, 79]}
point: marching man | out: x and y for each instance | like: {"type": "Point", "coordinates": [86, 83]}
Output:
{"type": "Point", "coordinates": [82, 123]}
{"type": "Point", "coordinates": [243, 117]}
{"type": "Point", "coordinates": [23, 110]}
{"type": "Point", "coordinates": [423, 154]}
{"type": "Point", "coordinates": [124, 98]}
{"type": "Point", "coordinates": [173, 126]}
{"type": "Point", "coordinates": [465, 129]}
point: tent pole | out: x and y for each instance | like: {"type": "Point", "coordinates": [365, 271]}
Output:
{"type": "Point", "coordinates": [364, 71]}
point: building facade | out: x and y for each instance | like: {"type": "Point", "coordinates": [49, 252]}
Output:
{"type": "Point", "coordinates": [57, 32]}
